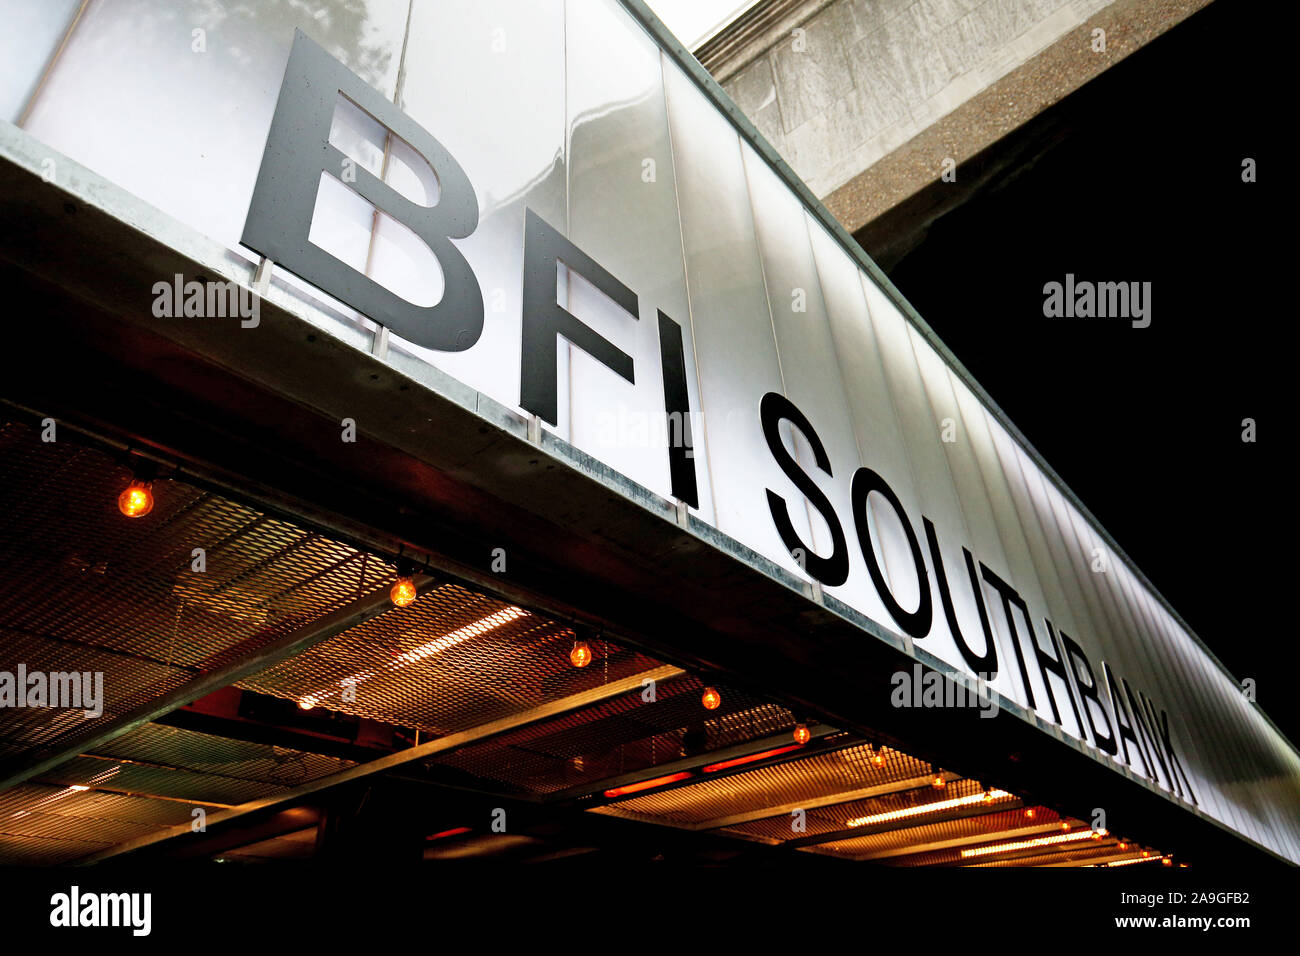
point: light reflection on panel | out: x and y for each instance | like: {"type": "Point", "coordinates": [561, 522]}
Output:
{"type": "Point", "coordinates": [623, 212]}
{"type": "Point", "coordinates": [808, 362]}
{"type": "Point", "coordinates": [32, 33]}
{"type": "Point", "coordinates": [980, 533]}
{"type": "Point", "coordinates": [1228, 773]}
{"type": "Point", "coordinates": [1058, 609]}
{"type": "Point", "coordinates": [131, 99]}
{"type": "Point", "coordinates": [734, 347]}
{"type": "Point", "coordinates": [486, 79]}
{"type": "Point", "coordinates": [1080, 627]}
{"type": "Point", "coordinates": [936, 495]}
{"type": "Point", "coordinates": [1186, 717]}
{"type": "Point", "coordinates": [869, 405]}
{"type": "Point", "coordinates": [1017, 571]}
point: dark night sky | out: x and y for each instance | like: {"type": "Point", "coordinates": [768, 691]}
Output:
{"type": "Point", "coordinates": [1145, 424]}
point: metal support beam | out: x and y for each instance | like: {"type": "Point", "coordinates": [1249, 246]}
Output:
{"type": "Point", "coordinates": [434, 747]}
{"type": "Point", "coordinates": [358, 612]}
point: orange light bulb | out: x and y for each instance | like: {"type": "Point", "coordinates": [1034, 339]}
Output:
{"type": "Point", "coordinates": [136, 501]}
{"type": "Point", "coordinates": [988, 796]}
{"type": "Point", "coordinates": [801, 734]}
{"type": "Point", "coordinates": [878, 759]}
{"type": "Point", "coordinates": [1030, 813]}
{"type": "Point", "coordinates": [938, 782]}
{"type": "Point", "coordinates": [1123, 846]}
{"type": "Point", "coordinates": [1167, 862]}
{"type": "Point", "coordinates": [581, 655]}
{"type": "Point", "coordinates": [711, 700]}
{"type": "Point", "coordinates": [403, 592]}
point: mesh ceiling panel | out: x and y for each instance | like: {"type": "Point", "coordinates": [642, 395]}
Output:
{"type": "Point", "coordinates": [814, 777]}
{"type": "Point", "coordinates": [86, 589]}
{"type": "Point", "coordinates": [452, 660]}
{"type": "Point", "coordinates": [618, 736]}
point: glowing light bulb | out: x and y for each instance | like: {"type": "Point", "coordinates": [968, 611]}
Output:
{"type": "Point", "coordinates": [581, 654]}
{"type": "Point", "coordinates": [403, 592]}
{"type": "Point", "coordinates": [307, 703]}
{"type": "Point", "coordinates": [938, 782]}
{"type": "Point", "coordinates": [711, 700]}
{"type": "Point", "coordinates": [1167, 861]}
{"type": "Point", "coordinates": [1123, 846]}
{"type": "Point", "coordinates": [988, 796]}
{"type": "Point", "coordinates": [1030, 813]}
{"type": "Point", "coordinates": [878, 759]}
{"type": "Point", "coordinates": [801, 734]}
{"type": "Point", "coordinates": [1065, 825]}
{"type": "Point", "coordinates": [136, 501]}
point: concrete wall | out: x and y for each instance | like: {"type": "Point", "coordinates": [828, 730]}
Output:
{"type": "Point", "coordinates": [865, 77]}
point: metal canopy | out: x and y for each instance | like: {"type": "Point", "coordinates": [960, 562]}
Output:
{"type": "Point", "coordinates": [460, 691]}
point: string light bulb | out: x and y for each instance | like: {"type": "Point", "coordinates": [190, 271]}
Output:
{"type": "Point", "coordinates": [136, 500]}
{"type": "Point", "coordinates": [403, 592]}
{"type": "Point", "coordinates": [801, 734]}
{"type": "Point", "coordinates": [1030, 813]}
{"type": "Point", "coordinates": [878, 758]}
{"type": "Point", "coordinates": [581, 654]}
{"type": "Point", "coordinates": [937, 781]}
{"type": "Point", "coordinates": [711, 699]}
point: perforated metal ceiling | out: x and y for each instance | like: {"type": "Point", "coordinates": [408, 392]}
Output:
{"type": "Point", "coordinates": [84, 589]}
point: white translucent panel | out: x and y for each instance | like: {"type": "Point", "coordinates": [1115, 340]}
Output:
{"type": "Point", "coordinates": [735, 350]}
{"type": "Point", "coordinates": [1079, 623]}
{"type": "Point", "coordinates": [32, 32]}
{"type": "Point", "coordinates": [617, 421]}
{"type": "Point", "coordinates": [936, 495]}
{"type": "Point", "coordinates": [622, 211]}
{"type": "Point", "coordinates": [400, 261]}
{"type": "Point", "coordinates": [369, 144]}
{"type": "Point", "coordinates": [1018, 572]}
{"type": "Point", "coordinates": [1058, 609]}
{"type": "Point", "coordinates": [871, 415]}
{"type": "Point", "coordinates": [809, 367]}
{"type": "Point", "coordinates": [133, 100]}
{"type": "Point", "coordinates": [1125, 654]}
{"type": "Point", "coordinates": [358, 136]}
{"type": "Point", "coordinates": [980, 529]}
{"type": "Point", "coordinates": [410, 174]}
{"type": "Point", "coordinates": [342, 223]}
{"type": "Point", "coordinates": [1158, 681]}
{"type": "Point", "coordinates": [1229, 778]}
{"type": "Point", "coordinates": [1188, 726]}
{"type": "Point", "coordinates": [486, 79]}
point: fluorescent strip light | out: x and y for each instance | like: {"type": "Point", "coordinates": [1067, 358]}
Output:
{"type": "Point", "coordinates": [1074, 837]}
{"type": "Point", "coordinates": [934, 807]}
